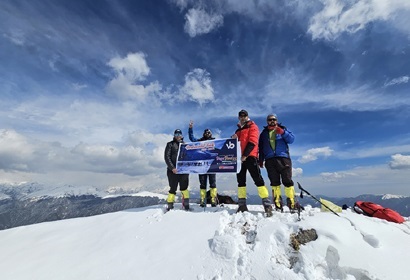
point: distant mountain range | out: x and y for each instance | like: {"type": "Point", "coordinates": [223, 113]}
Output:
{"type": "Point", "coordinates": [32, 203]}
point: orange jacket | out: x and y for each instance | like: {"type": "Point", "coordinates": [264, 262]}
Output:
{"type": "Point", "coordinates": [248, 135]}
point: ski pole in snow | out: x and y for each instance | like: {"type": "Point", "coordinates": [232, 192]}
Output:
{"type": "Point", "coordinates": [301, 196]}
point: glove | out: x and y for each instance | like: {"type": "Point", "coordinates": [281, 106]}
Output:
{"type": "Point", "coordinates": [279, 130]}
{"type": "Point", "coordinates": [261, 164]}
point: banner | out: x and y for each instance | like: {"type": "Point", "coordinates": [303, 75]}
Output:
{"type": "Point", "coordinates": [209, 157]}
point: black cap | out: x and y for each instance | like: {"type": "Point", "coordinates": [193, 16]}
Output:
{"type": "Point", "coordinates": [177, 132]}
{"type": "Point", "coordinates": [243, 113]}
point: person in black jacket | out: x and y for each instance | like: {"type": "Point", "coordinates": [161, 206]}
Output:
{"type": "Point", "coordinates": [203, 178]}
{"type": "Point", "coordinates": [170, 156]}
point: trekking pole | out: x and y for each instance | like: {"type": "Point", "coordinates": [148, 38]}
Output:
{"type": "Point", "coordinates": [301, 196]}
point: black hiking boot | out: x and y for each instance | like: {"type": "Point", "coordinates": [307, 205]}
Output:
{"type": "Point", "coordinates": [294, 208]}
{"type": "Point", "coordinates": [279, 208]}
{"type": "Point", "coordinates": [242, 208]}
{"type": "Point", "coordinates": [186, 204]}
{"type": "Point", "coordinates": [202, 204]}
{"type": "Point", "coordinates": [170, 206]}
{"type": "Point", "coordinates": [268, 211]}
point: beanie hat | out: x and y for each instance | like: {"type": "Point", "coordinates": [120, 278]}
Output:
{"type": "Point", "coordinates": [272, 116]}
{"type": "Point", "coordinates": [177, 132]}
{"type": "Point", "coordinates": [243, 113]}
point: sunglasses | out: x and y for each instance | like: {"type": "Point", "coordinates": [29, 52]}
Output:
{"type": "Point", "coordinates": [242, 116]}
{"type": "Point", "coordinates": [271, 120]}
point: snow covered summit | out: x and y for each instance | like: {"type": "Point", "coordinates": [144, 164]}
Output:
{"type": "Point", "coordinates": [146, 243]}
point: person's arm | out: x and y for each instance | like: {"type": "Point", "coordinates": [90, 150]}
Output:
{"type": "Point", "coordinates": [287, 135]}
{"type": "Point", "coordinates": [192, 138]}
{"type": "Point", "coordinates": [261, 154]}
{"type": "Point", "coordinates": [167, 156]}
{"type": "Point", "coordinates": [253, 139]}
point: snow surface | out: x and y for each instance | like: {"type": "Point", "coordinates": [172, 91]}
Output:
{"type": "Point", "coordinates": [146, 243]}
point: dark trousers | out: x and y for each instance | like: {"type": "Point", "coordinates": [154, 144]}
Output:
{"type": "Point", "coordinates": [203, 178]}
{"type": "Point", "coordinates": [175, 179]}
{"type": "Point", "coordinates": [278, 168]}
{"type": "Point", "coordinates": [251, 165]}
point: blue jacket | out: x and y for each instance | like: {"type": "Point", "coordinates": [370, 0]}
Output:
{"type": "Point", "coordinates": [281, 145]}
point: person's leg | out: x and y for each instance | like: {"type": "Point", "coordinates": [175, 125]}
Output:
{"type": "Point", "coordinates": [213, 191]}
{"type": "Point", "coordinates": [202, 189]}
{"type": "Point", "coordinates": [241, 178]}
{"type": "Point", "coordinates": [256, 175]}
{"type": "Point", "coordinates": [173, 184]}
{"type": "Point", "coordinates": [286, 174]}
{"type": "Point", "coordinates": [274, 177]}
{"type": "Point", "coordinates": [183, 187]}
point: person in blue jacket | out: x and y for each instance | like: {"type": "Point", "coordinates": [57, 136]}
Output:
{"type": "Point", "coordinates": [203, 178]}
{"type": "Point", "coordinates": [274, 151]}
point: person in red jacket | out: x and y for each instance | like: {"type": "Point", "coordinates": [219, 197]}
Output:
{"type": "Point", "coordinates": [248, 135]}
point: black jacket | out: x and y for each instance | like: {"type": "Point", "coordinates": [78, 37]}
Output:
{"type": "Point", "coordinates": [171, 153]}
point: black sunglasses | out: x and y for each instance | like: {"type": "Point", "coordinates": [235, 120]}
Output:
{"type": "Point", "coordinates": [270, 120]}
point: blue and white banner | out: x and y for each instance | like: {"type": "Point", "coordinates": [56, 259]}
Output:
{"type": "Point", "coordinates": [209, 157]}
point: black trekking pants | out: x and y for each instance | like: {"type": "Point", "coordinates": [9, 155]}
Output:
{"type": "Point", "coordinates": [277, 168]}
{"type": "Point", "coordinates": [203, 178]}
{"type": "Point", "coordinates": [175, 179]}
{"type": "Point", "coordinates": [251, 165]}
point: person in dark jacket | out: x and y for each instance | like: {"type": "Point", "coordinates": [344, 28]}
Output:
{"type": "Point", "coordinates": [274, 151]}
{"type": "Point", "coordinates": [203, 178]}
{"type": "Point", "coordinates": [170, 157]}
{"type": "Point", "coordinates": [248, 133]}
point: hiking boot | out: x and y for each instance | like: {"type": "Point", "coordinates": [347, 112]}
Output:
{"type": "Point", "coordinates": [213, 201]}
{"type": "Point", "coordinates": [242, 208]}
{"type": "Point", "coordinates": [268, 210]}
{"type": "Point", "coordinates": [293, 208]}
{"type": "Point", "coordinates": [279, 207]}
{"type": "Point", "coordinates": [202, 204]}
{"type": "Point", "coordinates": [186, 203]}
{"type": "Point", "coordinates": [170, 206]}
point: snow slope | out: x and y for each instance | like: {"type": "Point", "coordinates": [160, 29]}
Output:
{"type": "Point", "coordinates": [145, 243]}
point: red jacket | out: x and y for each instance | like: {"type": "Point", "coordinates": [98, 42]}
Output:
{"type": "Point", "coordinates": [248, 135]}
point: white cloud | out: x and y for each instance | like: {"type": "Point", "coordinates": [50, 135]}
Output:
{"type": "Point", "coordinates": [357, 98]}
{"type": "Point", "coordinates": [397, 81]}
{"type": "Point", "coordinates": [314, 154]}
{"type": "Point", "coordinates": [336, 176]}
{"type": "Point", "coordinates": [297, 172]}
{"type": "Point", "coordinates": [15, 151]}
{"type": "Point", "coordinates": [400, 162]}
{"type": "Point", "coordinates": [197, 87]}
{"type": "Point", "coordinates": [132, 157]}
{"type": "Point", "coordinates": [130, 72]}
{"type": "Point", "coordinates": [200, 22]}
{"type": "Point", "coordinates": [338, 16]}
{"type": "Point", "coordinates": [78, 87]}
{"type": "Point", "coordinates": [182, 4]}
{"type": "Point", "coordinates": [16, 37]}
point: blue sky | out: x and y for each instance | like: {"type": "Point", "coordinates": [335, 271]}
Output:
{"type": "Point", "coordinates": [91, 91]}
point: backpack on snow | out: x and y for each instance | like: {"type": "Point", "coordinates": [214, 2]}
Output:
{"type": "Point", "coordinates": [375, 210]}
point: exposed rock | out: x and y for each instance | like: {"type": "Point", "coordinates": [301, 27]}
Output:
{"type": "Point", "coordinates": [302, 237]}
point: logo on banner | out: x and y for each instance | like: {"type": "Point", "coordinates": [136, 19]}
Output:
{"type": "Point", "coordinates": [230, 145]}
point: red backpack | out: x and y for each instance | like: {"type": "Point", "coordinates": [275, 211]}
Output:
{"type": "Point", "coordinates": [375, 210]}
